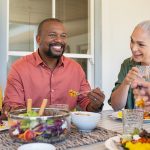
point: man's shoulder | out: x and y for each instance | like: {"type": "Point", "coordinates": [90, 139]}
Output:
{"type": "Point", "coordinates": [70, 61]}
{"type": "Point", "coordinates": [23, 61]}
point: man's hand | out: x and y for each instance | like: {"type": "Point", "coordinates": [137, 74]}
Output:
{"type": "Point", "coordinates": [97, 97]}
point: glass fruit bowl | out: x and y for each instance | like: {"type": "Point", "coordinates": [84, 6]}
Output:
{"type": "Point", "coordinates": [53, 126]}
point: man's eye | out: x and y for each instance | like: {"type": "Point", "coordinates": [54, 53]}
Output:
{"type": "Point", "coordinates": [52, 35]}
{"type": "Point", "coordinates": [63, 36]}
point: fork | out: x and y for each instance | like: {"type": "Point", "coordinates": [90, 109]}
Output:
{"type": "Point", "coordinates": [73, 93]}
{"type": "Point", "coordinates": [83, 92]}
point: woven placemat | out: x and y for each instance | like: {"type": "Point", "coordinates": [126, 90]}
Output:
{"type": "Point", "coordinates": [74, 139]}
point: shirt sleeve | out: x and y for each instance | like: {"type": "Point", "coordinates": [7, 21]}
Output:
{"type": "Point", "coordinates": [14, 93]}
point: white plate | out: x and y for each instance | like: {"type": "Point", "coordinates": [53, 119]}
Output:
{"type": "Point", "coordinates": [37, 146]}
{"type": "Point", "coordinates": [4, 126]}
{"type": "Point", "coordinates": [114, 115]}
{"type": "Point", "coordinates": [109, 144]}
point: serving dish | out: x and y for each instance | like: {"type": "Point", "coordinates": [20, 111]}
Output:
{"type": "Point", "coordinates": [52, 126]}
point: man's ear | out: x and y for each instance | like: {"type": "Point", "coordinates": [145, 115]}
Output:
{"type": "Point", "coordinates": [38, 39]}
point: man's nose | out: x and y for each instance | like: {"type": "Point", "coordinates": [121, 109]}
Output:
{"type": "Point", "coordinates": [58, 38]}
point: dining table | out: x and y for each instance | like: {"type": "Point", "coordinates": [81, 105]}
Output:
{"type": "Point", "coordinates": [107, 122]}
{"type": "Point", "coordinates": [110, 123]}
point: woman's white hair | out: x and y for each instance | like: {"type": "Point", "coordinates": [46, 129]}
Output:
{"type": "Point", "coordinates": [145, 25]}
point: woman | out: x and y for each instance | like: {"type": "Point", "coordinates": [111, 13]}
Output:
{"type": "Point", "coordinates": [122, 94]}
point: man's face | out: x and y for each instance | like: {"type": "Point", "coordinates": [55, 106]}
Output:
{"type": "Point", "coordinates": [52, 39]}
{"type": "Point", "coordinates": [140, 46]}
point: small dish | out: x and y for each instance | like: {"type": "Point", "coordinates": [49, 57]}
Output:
{"type": "Point", "coordinates": [37, 146]}
{"type": "Point", "coordinates": [85, 121]}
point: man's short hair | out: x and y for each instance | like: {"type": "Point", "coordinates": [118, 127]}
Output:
{"type": "Point", "coordinates": [44, 21]}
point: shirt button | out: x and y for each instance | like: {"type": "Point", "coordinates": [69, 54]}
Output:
{"type": "Point", "coordinates": [52, 90]}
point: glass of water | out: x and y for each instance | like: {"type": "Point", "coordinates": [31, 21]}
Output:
{"type": "Point", "coordinates": [144, 72]}
{"type": "Point", "coordinates": [132, 119]}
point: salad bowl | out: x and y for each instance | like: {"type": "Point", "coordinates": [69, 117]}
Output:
{"type": "Point", "coordinates": [53, 126]}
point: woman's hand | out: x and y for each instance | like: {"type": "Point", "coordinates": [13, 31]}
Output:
{"type": "Point", "coordinates": [131, 76]}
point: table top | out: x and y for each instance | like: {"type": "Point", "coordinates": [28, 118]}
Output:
{"type": "Point", "coordinates": [108, 123]}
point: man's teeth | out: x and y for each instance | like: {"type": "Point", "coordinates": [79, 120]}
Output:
{"type": "Point", "coordinates": [57, 47]}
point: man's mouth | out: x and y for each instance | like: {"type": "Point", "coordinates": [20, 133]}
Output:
{"type": "Point", "coordinates": [58, 47]}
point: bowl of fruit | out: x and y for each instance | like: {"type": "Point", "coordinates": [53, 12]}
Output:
{"type": "Point", "coordinates": [28, 126]}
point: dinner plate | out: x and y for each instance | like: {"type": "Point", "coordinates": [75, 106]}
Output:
{"type": "Point", "coordinates": [4, 126]}
{"type": "Point", "coordinates": [111, 145]}
{"type": "Point", "coordinates": [115, 115]}
{"type": "Point", "coordinates": [37, 146]}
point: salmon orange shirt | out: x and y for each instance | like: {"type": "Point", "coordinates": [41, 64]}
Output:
{"type": "Point", "coordinates": [30, 77]}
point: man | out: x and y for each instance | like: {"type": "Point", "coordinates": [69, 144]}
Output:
{"type": "Point", "coordinates": [47, 74]}
{"type": "Point", "coordinates": [141, 90]}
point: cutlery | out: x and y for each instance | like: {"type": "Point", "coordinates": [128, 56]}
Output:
{"type": "Point", "coordinates": [73, 93]}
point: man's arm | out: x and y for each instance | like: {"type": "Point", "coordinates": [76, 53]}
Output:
{"type": "Point", "coordinates": [14, 92]}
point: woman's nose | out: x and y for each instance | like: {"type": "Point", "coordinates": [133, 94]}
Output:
{"type": "Point", "coordinates": [134, 47]}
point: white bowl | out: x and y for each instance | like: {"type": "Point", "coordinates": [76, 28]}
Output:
{"type": "Point", "coordinates": [85, 121]}
{"type": "Point", "coordinates": [37, 146]}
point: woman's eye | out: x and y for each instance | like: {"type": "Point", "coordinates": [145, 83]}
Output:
{"type": "Point", "coordinates": [141, 45]}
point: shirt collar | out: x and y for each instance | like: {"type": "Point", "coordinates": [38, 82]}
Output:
{"type": "Point", "coordinates": [39, 61]}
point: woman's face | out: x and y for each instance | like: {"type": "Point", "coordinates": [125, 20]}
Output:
{"type": "Point", "coordinates": [140, 46]}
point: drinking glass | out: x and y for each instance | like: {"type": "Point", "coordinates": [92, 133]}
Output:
{"type": "Point", "coordinates": [144, 72]}
{"type": "Point", "coordinates": [132, 118]}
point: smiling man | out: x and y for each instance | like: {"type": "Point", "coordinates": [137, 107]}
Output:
{"type": "Point", "coordinates": [47, 74]}
{"type": "Point", "coordinates": [122, 94]}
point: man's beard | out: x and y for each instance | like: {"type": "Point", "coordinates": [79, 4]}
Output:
{"type": "Point", "coordinates": [50, 53]}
